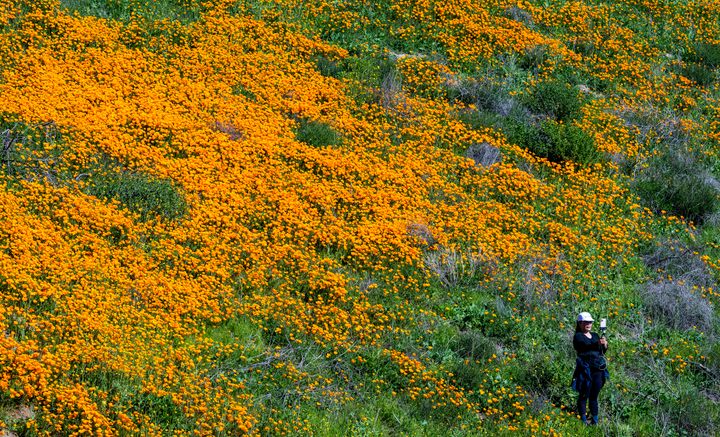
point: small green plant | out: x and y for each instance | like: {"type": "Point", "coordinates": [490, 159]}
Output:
{"type": "Point", "coordinates": [148, 197]}
{"type": "Point", "coordinates": [554, 99]}
{"type": "Point", "coordinates": [316, 133]}
{"type": "Point", "coordinates": [240, 90]}
{"type": "Point", "coordinates": [691, 412]}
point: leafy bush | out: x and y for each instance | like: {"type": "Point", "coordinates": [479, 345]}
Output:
{"type": "Point", "coordinates": [569, 142]}
{"type": "Point", "coordinates": [329, 67]}
{"type": "Point", "coordinates": [141, 194]}
{"type": "Point", "coordinates": [468, 374]}
{"type": "Point", "coordinates": [546, 375]}
{"type": "Point", "coordinates": [557, 142]}
{"type": "Point", "coordinates": [533, 57]}
{"type": "Point", "coordinates": [707, 53]}
{"type": "Point", "coordinates": [316, 133]}
{"type": "Point", "coordinates": [555, 99]}
{"type": "Point", "coordinates": [240, 90]}
{"type": "Point", "coordinates": [678, 184]}
{"type": "Point", "coordinates": [699, 74]}
{"type": "Point", "coordinates": [473, 345]}
{"type": "Point", "coordinates": [677, 305]}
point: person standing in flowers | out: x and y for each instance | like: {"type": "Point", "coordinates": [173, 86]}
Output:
{"type": "Point", "coordinates": [590, 366]}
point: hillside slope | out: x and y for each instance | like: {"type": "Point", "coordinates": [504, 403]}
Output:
{"type": "Point", "coordinates": [293, 218]}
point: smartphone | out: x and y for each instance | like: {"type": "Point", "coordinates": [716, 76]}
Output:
{"type": "Point", "coordinates": [603, 324]}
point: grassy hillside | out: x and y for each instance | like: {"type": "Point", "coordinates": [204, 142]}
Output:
{"type": "Point", "coordinates": [357, 218]}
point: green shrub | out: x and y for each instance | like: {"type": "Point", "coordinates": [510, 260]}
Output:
{"type": "Point", "coordinates": [316, 133]}
{"type": "Point", "coordinates": [534, 57]}
{"type": "Point", "coordinates": [480, 119]}
{"type": "Point", "coordinates": [240, 90]}
{"type": "Point", "coordinates": [699, 74]}
{"type": "Point", "coordinates": [678, 184]}
{"type": "Point", "coordinates": [329, 67]}
{"type": "Point", "coordinates": [148, 197]}
{"type": "Point", "coordinates": [569, 142]}
{"type": "Point", "coordinates": [707, 53]}
{"type": "Point", "coordinates": [473, 345]}
{"type": "Point", "coordinates": [468, 374]}
{"type": "Point", "coordinates": [554, 99]}
{"type": "Point", "coordinates": [583, 46]}
{"type": "Point", "coordinates": [546, 375]}
{"type": "Point", "coordinates": [557, 142]}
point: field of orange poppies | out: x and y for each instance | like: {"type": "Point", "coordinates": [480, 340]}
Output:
{"type": "Point", "coordinates": [285, 217]}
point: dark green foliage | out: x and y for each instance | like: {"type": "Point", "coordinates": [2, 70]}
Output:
{"type": "Point", "coordinates": [473, 346]}
{"type": "Point", "coordinates": [480, 119]}
{"type": "Point", "coordinates": [148, 197]}
{"type": "Point", "coordinates": [557, 142]}
{"type": "Point", "coordinates": [316, 133]}
{"type": "Point", "coordinates": [569, 142]}
{"type": "Point", "coordinates": [554, 99]}
{"type": "Point", "coordinates": [329, 67]}
{"type": "Point", "coordinates": [468, 374]}
{"type": "Point", "coordinates": [678, 184]}
{"type": "Point", "coordinates": [699, 73]}
{"type": "Point", "coordinates": [583, 46]}
{"type": "Point", "coordinates": [534, 57]}
{"type": "Point", "coordinates": [539, 372]}
{"type": "Point", "coordinates": [707, 53]}
{"type": "Point", "coordinates": [162, 410]}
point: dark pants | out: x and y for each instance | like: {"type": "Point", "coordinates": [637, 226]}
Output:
{"type": "Point", "coordinates": [597, 380]}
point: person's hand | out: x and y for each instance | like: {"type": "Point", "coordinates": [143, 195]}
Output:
{"type": "Point", "coordinates": [603, 341]}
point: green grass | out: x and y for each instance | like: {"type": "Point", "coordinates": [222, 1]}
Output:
{"type": "Point", "coordinates": [317, 133]}
{"type": "Point", "coordinates": [141, 194]}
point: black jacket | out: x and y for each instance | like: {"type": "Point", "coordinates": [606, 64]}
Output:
{"type": "Point", "coordinates": [590, 350]}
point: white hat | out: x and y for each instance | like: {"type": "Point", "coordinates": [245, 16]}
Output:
{"type": "Point", "coordinates": [584, 317]}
